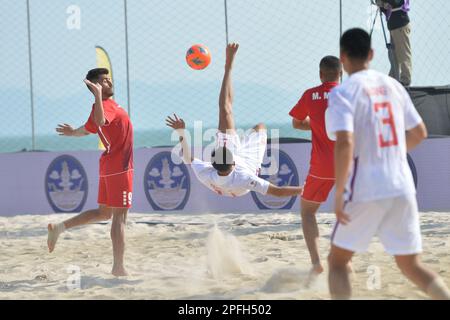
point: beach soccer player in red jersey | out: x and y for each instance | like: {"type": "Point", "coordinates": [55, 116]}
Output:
{"type": "Point", "coordinates": [113, 126]}
{"type": "Point", "coordinates": [309, 114]}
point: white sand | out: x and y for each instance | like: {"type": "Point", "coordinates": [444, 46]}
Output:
{"type": "Point", "coordinates": [246, 256]}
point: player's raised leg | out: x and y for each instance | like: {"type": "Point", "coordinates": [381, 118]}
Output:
{"type": "Point", "coordinates": [226, 119]}
{"type": "Point", "coordinates": [55, 229]}
{"type": "Point", "coordinates": [118, 240]}
{"type": "Point", "coordinates": [338, 276]}
{"type": "Point", "coordinates": [425, 279]}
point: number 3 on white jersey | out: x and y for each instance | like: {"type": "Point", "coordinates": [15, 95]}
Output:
{"type": "Point", "coordinates": [387, 136]}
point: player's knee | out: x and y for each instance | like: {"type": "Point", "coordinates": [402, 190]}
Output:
{"type": "Point", "coordinates": [332, 262]}
{"type": "Point", "coordinates": [260, 127]}
{"type": "Point", "coordinates": [120, 212]}
{"type": "Point", "coordinates": [307, 214]}
{"type": "Point", "coordinates": [407, 266]}
{"type": "Point", "coordinates": [119, 216]}
{"type": "Point", "coordinates": [336, 261]}
{"type": "Point", "coordinates": [105, 213]}
{"type": "Point", "coordinates": [405, 269]}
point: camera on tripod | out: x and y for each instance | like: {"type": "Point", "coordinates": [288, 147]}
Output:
{"type": "Point", "coordinates": [381, 4]}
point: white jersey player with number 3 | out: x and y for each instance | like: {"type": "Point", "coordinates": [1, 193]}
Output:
{"type": "Point", "coordinates": [374, 123]}
{"type": "Point", "coordinates": [379, 111]}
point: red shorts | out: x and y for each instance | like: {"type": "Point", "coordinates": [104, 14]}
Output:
{"type": "Point", "coordinates": [317, 189]}
{"type": "Point", "coordinates": [116, 190]}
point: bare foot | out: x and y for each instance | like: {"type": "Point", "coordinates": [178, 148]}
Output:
{"type": "Point", "coordinates": [119, 272]}
{"type": "Point", "coordinates": [316, 269]}
{"type": "Point", "coordinates": [53, 234]}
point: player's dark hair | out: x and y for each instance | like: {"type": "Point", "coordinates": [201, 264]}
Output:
{"type": "Point", "coordinates": [222, 159]}
{"type": "Point", "coordinates": [93, 74]}
{"type": "Point", "coordinates": [331, 67]}
{"type": "Point", "coordinates": [356, 44]}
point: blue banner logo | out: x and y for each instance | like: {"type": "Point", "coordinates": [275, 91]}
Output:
{"type": "Point", "coordinates": [167, 185]}
{"type": "Point", "coordinates": [66, 184]}
{"type": "Point", "coordinates": [279, 169]}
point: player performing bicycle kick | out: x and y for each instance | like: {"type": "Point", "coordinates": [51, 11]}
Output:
{"type": "Point", "coordinates": [235, 163]}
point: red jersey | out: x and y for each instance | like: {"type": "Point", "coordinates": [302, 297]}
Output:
{"type": "Point", "coordinates": [314, 103]}
{"type": "Point", "coordinates": [117, 137]}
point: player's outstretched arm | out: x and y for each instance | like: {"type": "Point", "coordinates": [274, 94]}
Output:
{"type": "Point", "coordinates": [281, 192]}
{"type": "Point", "coordinates": [179, 126]}
{"type": "Point", "coordinates": [67, 130]}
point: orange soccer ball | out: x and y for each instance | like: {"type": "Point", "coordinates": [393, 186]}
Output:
{"type": "Point", "coordinates": [198, 57]}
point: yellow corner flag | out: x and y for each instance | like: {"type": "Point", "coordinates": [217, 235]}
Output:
{"type": "Point", "coordinates": [103, 61]}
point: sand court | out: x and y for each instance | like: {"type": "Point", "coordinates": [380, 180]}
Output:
{"type": "Point", "coordinates": [216, 256]}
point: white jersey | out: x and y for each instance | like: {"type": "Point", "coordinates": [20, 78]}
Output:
{"type": "Point", "coordinates": [378, 110]}
{"type": "Point", "coordinates": [248, 155]}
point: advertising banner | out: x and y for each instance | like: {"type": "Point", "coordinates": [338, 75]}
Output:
{"type": "Point", "coordinates": [52, 182]}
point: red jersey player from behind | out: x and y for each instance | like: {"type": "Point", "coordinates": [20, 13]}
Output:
{"type": "Point", "coordinates": [113, 126]}
{"type": "Point", "coordinates": [309, 114]}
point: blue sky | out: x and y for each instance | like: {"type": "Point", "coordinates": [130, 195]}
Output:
{"type": "Point", "coordinates": [281, 41]}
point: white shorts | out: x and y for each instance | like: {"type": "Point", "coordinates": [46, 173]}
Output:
{"type": "Point", "coordinates": [394, 220]}
{"type": "Point", "coordinates": [249, 151]}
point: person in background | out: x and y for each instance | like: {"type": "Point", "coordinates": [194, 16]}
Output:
{"type": "Point", "coordinates": [396, 12]}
